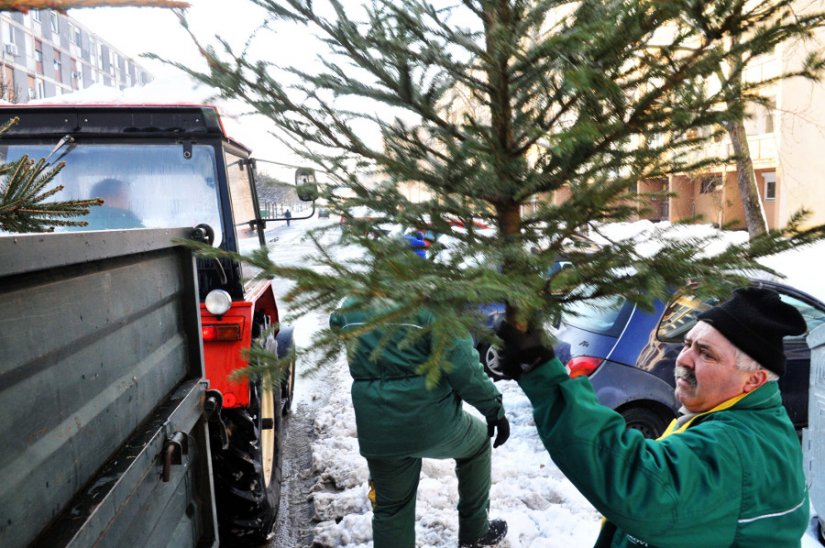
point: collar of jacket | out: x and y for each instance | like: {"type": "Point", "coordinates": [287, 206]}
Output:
{"type": "Point", "coordinates": [758, 397]}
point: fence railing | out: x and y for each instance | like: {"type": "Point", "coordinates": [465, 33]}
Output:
{"type": "Point", "coordinates": [277, 209]}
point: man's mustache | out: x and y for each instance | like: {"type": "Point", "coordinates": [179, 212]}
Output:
{"type": "Point", "coordinates": [686, 374]}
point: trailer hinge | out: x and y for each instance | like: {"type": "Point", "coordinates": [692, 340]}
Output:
{"type": "Point", "coordinates": [212, 410]}
{"type": "Point", "coordinates": [174, 449]}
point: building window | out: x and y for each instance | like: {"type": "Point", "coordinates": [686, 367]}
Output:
{"type": "Point", "coordinates": [770, 185]}
{"type": "Point", "coordinates": [768, 113]}
{"type": "Point", "coordinates": [41, 89]}
{"type": "Point", "coordinates": [55, 22]}
{"type": "Point", "coordinates": [710, 184]}
{"type": "Point", "coordinates": [78, 37]}
{"type": "Point", "coordinates": [38, 51]}
{"type": "Point", "coordinates": [35, 15]}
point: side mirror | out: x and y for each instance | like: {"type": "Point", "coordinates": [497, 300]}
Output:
{"type": "Point", "coordinates": [305, 184]}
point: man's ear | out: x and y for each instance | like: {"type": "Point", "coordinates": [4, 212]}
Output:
{"type": "Point", "coordinates": [754, 380]}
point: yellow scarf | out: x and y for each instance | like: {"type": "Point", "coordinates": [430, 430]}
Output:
{"type": "Point", "coordinates": [676, 428]}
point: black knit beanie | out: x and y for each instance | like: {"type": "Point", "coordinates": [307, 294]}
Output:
{"type": "Point", "coordinates": [755, 320]}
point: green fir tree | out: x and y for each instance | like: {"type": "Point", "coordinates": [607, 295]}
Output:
{"type": "Point", "coordinates": [26, 197]}
{"type": "Point", "coordinates": [490, 107]}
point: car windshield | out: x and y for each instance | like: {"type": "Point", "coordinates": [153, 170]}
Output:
{"type": "Point", "coordinates": [681, 314]}
{"type": "Point", "coordinates": [602, 315]}
{"type": "Point", "coordinates": [146, 186]}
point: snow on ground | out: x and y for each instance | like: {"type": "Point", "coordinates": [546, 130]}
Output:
{"type": "Point", "coordinates": [541, 507]}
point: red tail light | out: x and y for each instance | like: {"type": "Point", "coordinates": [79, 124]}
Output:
{"type": "Point", "coordinates": [583, 366]}
{"type": "Point", "coordinates": [231, 332]}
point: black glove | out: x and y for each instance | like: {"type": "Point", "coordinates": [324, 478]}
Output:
{"type": "Point", "coordinates": [499, 427]}
{"type": "Point", "coordinates": [522, 352]}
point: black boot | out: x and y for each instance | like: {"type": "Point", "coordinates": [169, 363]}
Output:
{"type": "Point", "coordinates": [494, 535]}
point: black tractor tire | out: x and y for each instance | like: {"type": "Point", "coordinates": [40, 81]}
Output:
{"type": "Point", "coordinates": [247, 474]}
{"type": "Point", "coordinates": [288, 389]}
{"type": "Point", "coordinates": [648, 421]}
{"type": "Point", "coordinates": [489, 356]}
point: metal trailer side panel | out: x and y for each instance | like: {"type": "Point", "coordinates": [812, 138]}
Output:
{"type": "Point", "coordinates": [100, 362]}
{"type": "Point", "coordinates": [815, 435]}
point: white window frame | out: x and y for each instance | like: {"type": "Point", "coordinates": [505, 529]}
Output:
{"type": "Point", "coordinates": [769, 178]}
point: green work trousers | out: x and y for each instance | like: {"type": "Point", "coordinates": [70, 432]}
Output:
{"type": "Point", "coordinates": [396, 482]}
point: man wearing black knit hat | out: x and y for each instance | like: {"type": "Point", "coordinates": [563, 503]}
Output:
{"type": "Point", "coordinates": [726, 473]}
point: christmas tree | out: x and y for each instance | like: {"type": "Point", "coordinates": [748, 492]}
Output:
{"type": "Point", "coordinates": [491, 108]}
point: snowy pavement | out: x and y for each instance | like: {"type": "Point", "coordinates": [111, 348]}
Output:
{"type": "Point", "coordinates": [541, 507]}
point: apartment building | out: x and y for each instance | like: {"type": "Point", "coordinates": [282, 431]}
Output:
{"type": "Point", "coordinates": [786, 142]}
{"type": "Point", "coordinates": [713, 195]}
{"type": "Point", "coordinates": [44, 53]}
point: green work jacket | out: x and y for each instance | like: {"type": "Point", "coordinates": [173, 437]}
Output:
{"type": "Point", "coordinates": [395, 413]}
{"type": "Point", "coordinates": [734, 477]}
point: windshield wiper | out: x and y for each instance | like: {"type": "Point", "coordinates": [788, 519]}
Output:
{"type": "Point", "coordinates": [65, 140]}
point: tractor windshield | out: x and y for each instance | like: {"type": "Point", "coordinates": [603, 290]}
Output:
{"type": "Point", "coordinates": [145, 186]}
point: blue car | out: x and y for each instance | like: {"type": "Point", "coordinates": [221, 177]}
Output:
{"type": "Point", "coordinates": [629, 353]}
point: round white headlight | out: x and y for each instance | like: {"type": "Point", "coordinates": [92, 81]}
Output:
{"type": "Point", "coordinates": [218, 302]}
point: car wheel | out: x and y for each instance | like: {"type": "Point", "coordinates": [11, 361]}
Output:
{"type": "Point", "coordinates": [648, 421]}
{"type": "Point", "coordinates": [489, 356]}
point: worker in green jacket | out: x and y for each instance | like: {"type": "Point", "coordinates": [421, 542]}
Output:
{"type": "Point", "coordinates": [400, 421]}
{"type": "Point", "coordinates": [728, 472]}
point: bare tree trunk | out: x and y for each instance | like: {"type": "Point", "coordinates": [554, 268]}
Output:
{"type": "Point", "coordinates": [508, 211]}
{"type": "Point", "coordinates": [755, 219]}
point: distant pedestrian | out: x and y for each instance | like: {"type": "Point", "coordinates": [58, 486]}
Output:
{"type": "Point", "coordinates": [288, 216]}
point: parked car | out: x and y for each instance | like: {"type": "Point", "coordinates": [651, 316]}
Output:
{"type": "Point", "coordinates": [629, 353]}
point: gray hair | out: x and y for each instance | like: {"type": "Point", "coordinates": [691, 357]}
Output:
{"type": "Point", "coordinates": [746, 363]}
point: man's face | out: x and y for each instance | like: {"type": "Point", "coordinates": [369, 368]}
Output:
{"type": "Point", "coordinates": [706, 373]}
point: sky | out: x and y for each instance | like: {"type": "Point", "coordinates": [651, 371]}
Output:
{"type": "Point", "coordinates": [541, 506]}
{"type": "Point", "coordinates": [136, 31]}
{"type": "Point", "coordinates": [139, 30]}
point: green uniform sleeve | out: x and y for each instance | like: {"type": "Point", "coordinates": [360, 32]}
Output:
{"type": "Point", "coordinates": [470, 382]}
{"type": "Point", "coordinates": [679, 491]}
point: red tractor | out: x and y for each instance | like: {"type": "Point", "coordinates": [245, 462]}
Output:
{"type": "Point", "coordinates": [174, 166]}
